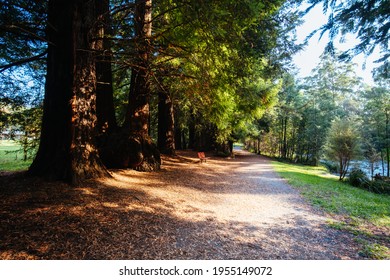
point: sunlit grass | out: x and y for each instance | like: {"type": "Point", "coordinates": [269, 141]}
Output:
{"type": "Point", "coordinates": [361, 208]}
{"type": "Point", "coordinates": [327, 192]}
{"type": "Point", "coordinates": [10, 158]}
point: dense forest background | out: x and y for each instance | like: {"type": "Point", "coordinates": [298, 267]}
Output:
{"type": "Point", "coordinates": [90, 85]}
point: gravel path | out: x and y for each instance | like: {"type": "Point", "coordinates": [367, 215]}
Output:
{"type": "Point", "coordinates": [255, 214]}
{"type": "Point", "coordinates": [223, 209]}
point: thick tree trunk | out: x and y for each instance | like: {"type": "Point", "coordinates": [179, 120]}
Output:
{"type": "Point", "coordinates": [206, 140]}
{"type": "Point", "coordinates": [184, 140]}
{"type": "Point", "coordinates": [284, 145]}
{"type": "Point", "coordinates": [105, 110]}
{"type": "Point", "coordinates": [166, 125]}
{"type": "Point", "coordinates": [137, 117]}
{"type": "Point", "coordinates": [231, 143]}
{"type": "Point", "coordinates": [191, 132]}
{"type": "Point", "coordinates": [178, 138]}
{"type": "Point", "coordinates": [124, 150]}
{"type": "Point", "coordinates": [67, 149]}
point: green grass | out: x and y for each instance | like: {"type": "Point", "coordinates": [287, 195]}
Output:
{"type": "Point", "coordinates": [374, 251]}
{"type": "Point", "coordinates": [327, 192]}
{"type": "Point", "coordinates": [361, 210]}
{"type": "Point", "coordinates": [10, 158]}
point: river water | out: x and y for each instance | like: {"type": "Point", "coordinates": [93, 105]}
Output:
{"type": "Point", "coordinates": [366, 167]}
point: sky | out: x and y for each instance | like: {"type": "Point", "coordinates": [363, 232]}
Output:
{"type": "Point", "coordinates": [308, 59]}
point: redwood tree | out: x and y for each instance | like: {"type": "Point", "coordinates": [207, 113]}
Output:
{"type": "Point", "coordinates": [166, 124]}
{"type": "Point", "coordinates": [138, 113]}
{"type": "Point", "coordinates": [67, 149]}
{"type": "Point", "coordinates": [105, 109]}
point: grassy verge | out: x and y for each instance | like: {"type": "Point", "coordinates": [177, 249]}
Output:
{"type": "Point", "coordinates": [10, 158]}
{"type": "Point", "coordinates": [363, 213]}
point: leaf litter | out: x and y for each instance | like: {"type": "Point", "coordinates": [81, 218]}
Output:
{"type": "Point", "coordinates": [227, 208]}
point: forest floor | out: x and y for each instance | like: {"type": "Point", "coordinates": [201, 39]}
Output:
{"type": "Point", "coordinates": [236, 208]}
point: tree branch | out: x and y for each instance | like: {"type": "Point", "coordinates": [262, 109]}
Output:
{"type": "Point", "coordinates": [22, 61]}
{"type": "Point", "coordinates": [30, 34]}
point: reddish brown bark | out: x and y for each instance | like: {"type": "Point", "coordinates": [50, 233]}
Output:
{"type": "Point", "coordinates": [67, 149]}
{"type": "Point", "coordinates": [166, 125]}
{"type": "Point", "coordinates": [137, 117]}
{"type": "Point", "coordinates": [105, 109]}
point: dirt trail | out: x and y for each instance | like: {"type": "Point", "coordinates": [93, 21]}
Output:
{"type": "Point", "coordinates": [223, 209]}
{"type": "Point", "coordinates": [240, 208]}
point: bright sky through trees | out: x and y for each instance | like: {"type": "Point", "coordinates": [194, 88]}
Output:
{"type": "Point", "coordinates": [309, 58]}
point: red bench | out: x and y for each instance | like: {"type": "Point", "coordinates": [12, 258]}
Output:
{"type": "Point", "coordinates": [202, 157]}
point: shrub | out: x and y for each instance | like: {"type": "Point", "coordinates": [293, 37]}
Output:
{"type": "Point", "coordinates": [331, 166]}
{"type": "Point", "coordinates": [358, 178]}
{"type": "Point", "coordinates": [379, 186]}
{"type": "Point", "coordinates": [342, 144]}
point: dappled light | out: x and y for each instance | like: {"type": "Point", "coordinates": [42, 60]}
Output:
{"type": "Point", "coordinates": [222, 209]}
{"type": "Point", "coordinates": [147, 130]}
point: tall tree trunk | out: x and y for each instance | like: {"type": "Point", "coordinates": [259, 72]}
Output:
{"type": "Point", "coordinates": [184, 139]}
{"type": "Point", "coordinates": [105, 110]}
{"type": "Point", "coordinates": [341, 163]}
{"type": "Point", "coordinates": [178, 138]}
{"type": "Point", "coordinates": [383, 163]}
{"type": "Point", "coordinates": [284, 145]}
{"type": "Point", "coordinates": [191, 132]}
{"type": "Point", "coordinates": [137, 117]}
{"type": "Point", "coordinates": [67, 148]}
{"type": "Point", "coordinates": [166, 124]}
{"type": "Point", "coordinates": [25, 144]}
{"type": "Point", "coordinates": [231, 144]}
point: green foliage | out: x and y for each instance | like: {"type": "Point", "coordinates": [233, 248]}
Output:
{"type": "Point", "coordinates": [22, 71]}
{"type": "Point", "coordinates": [342, 144]}
{"type": "Point", "coordinates": [25, 130]}
{"type": "Point", "coordinates": [378, 186]}
{"type": "Point", "coordinates": [330, 166]}
{"type": "Point", "coordinates": [22, 33]}
{"type": "Point", "coordinates": [299, 124]}
{"type": "Point", "coordinates": [376, 123]}
{"type": "Point", "coordinates": [216, 61]}
{"type": "Point", "coordinates": [370, 153]}
{"type": "Point", "coordinates": [20, 121]}
{"type": "Point", "coordinates": [358, 178]}
{"type": "Point", "coordinates": [367, 19]}
{"type": "Point", "coordinates": [375, 251]}
{"type": "Point", "coordinates": [223, 65]}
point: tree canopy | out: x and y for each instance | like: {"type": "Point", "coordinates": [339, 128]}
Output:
{"type": "Point", "coordinates": [113, 78]}
{"type": "Point", "coordinates": [368, 20]}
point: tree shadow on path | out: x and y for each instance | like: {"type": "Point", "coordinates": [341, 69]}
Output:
{"type": "Point", "coordinates": [118, 220]}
